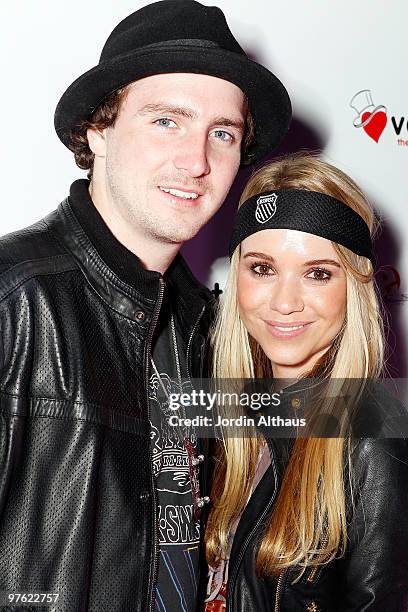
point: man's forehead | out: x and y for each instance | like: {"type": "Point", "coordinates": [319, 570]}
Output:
{"type": "Point", "coordinates": [194, 93]}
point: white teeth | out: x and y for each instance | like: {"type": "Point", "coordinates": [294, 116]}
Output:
{"type": "Point", "coordinates": [285, 329]}
{"type": "Point", "coordinates": [180, 194]}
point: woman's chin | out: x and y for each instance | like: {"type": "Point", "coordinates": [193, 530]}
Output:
{"type": "Point", "coordinates": [289, 364]}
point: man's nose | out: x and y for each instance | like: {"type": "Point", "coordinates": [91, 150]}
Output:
{"type": "Point", "coordinates": [287, 296]}
{"type": "Point", "coordinates": [191, 155]}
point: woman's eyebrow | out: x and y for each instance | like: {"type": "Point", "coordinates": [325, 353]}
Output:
{"type": "Point", "coordinates": [316, 262]}
{"type": "Point", "coordinates": [313, 262]}
{"type": "Point", "coordinates": [260, 255]}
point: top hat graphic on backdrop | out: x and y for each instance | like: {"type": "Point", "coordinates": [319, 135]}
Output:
{"type": "Point", "coordinates": [371, 118]}
{"type": "Point", "coordinates": [363, 104]}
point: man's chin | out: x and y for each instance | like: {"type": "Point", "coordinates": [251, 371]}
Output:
{"type": "Point", "coordinates": [179, 235]}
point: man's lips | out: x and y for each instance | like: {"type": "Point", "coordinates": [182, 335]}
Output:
{"type": "Point", "coordinates": [287, 330]}
{"type": "Point", "coordinates": [180, 194]}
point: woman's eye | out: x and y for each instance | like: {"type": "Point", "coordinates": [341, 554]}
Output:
{"type": "Point", "coordinates": [319, 275]}
{"type": "Point", "coordinates": [223, 135]}
{"type": "Point", "coordinates": [261, 269]}
{"type": "Point", "coordinates": [164, 122]}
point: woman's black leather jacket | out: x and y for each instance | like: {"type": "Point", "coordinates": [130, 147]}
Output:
{"type": "Point", "coordinates": [372, 576]}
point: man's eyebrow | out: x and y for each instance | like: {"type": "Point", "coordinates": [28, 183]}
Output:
{"type": "Point", "coordinates": [168, 109]}
{"type": "Point", "coordinates": [189, 113]}
{"type": "Point", "coordinates": [239, 124]}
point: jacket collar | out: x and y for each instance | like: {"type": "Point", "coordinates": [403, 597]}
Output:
{"type": "Point", "coordinates": [114, 271]}
{"type": "Point", "coordinates": [125, 264]}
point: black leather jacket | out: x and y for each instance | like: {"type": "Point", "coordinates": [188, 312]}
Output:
{"type": "Point", "coordinates": [77, 497]}
{"type": "Point", "coordinates": [374, 573]}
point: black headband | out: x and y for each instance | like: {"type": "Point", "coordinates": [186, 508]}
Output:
{"type": "Point", "coordinates": [305, 211]}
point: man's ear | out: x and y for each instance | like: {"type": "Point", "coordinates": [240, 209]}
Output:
{"type": "Point", "coordinates": [97, 141]}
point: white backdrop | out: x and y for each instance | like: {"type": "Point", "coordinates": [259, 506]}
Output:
{"type": "Point", "coordinates": [324, 52]}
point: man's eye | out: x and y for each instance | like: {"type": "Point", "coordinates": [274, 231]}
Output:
{"type": "Point", "coordinates": [223, 135]}
{"type": "Point", "coordinates": [164, 122]}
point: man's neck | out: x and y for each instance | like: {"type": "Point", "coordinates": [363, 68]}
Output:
{"type": "Point", "coordinates": [153, 256]}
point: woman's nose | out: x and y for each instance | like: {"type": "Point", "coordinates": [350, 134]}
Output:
{"type": "Point", "coordinates": [286, 296]}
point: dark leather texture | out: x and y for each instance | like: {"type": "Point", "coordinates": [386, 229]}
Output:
{"type": "Point", "coordinates": [373, 575]}
{"type": "Point", "coordinates": [77, 499]}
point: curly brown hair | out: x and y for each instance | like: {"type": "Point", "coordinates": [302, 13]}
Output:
{"type": "Point", "coordinates": [105, 116]}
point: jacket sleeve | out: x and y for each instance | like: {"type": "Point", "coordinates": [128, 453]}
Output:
{"type": "Point", "coordinates": [374, 572]}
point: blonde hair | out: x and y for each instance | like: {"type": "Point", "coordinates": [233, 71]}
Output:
{"type": "Point", "coordinates": [308, 525]}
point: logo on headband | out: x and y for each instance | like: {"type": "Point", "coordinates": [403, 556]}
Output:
{"type": "Point", "coordinates": [265, 207]}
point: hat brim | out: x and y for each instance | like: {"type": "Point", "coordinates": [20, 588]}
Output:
{"type": "Point", "coordinates": [268, 99]}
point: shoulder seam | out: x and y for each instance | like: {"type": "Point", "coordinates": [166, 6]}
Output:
{"type": "Point", "coordinates": [24, 271]}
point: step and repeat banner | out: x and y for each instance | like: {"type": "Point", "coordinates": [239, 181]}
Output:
{"type": "Point", "coordinates": [343, 64]}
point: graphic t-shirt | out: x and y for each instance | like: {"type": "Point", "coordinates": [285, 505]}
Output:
{"type": "Point", "coordinates": [179, 533]}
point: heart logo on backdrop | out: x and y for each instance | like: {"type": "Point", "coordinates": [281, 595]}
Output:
{"type": "Point", "coordinates": [370, 117]}
{"type": "Point", "coordinates": [375, 126]}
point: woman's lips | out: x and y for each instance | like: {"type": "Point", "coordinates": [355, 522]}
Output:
{"type": "Point", "coordinates": [287, 330]}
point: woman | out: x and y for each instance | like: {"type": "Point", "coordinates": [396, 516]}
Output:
{"type": "Point", "coordinates": [311, 524]}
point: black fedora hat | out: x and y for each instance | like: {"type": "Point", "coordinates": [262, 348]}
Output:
{"type": "Point", "coordinates": [178, 36]}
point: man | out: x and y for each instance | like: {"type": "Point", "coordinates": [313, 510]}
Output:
{"type": "Point", "coordinates": [100, 318]}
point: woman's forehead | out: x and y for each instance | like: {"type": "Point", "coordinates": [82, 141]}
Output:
{"type": "Point", "coordinates": [277, 243]}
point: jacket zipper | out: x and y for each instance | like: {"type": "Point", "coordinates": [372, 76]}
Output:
{"type": "Point", "coordinates": [191, 338]}
{"type": "Point", "coordinates": [233, 576]}
{"type": "Point", "coordinates": [309, 579]}
{"type": "Point", "coordinates": [154, 565]}
{"type": "Point", "coordinates": [313, 571]}
{"type": "Point", "coordinates": [279, 591]}
{"type": "Point", "coordinates": [312, 574]}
